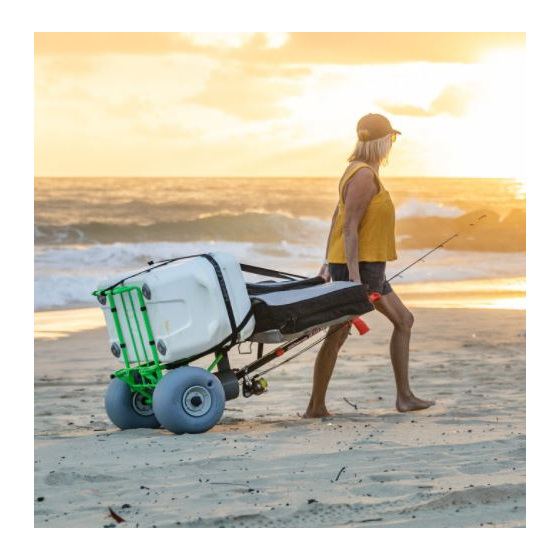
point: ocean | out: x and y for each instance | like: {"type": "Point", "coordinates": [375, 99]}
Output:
{"type": "Point", "coordinates": [89, 228]}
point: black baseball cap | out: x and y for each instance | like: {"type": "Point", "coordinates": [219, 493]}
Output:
{"type": "Point", "coordinates": [373, 126]}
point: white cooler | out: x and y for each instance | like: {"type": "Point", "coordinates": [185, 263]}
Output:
{"type": "Point", "coordinates": [186, 307]}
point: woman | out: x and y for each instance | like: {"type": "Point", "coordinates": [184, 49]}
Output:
{"type": "Point", "coordinates": [361, 241]}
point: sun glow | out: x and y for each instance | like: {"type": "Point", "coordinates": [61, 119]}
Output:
{"type": "Point", "coordinates": [235, 40]}
{"type": "Point", "coordinates": [222, 94]}
{"type": "Point", "coordinates": [220, 40]}
{"type": "Point", "coordinates": [513, 58]}
{"type": "Point", "coordinates": [487, 293]}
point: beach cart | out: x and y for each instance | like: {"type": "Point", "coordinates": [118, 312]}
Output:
{"type": "Point", "coordinates": [163, 318]}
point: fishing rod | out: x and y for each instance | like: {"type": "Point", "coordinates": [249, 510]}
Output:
{"type": "Point", "coordinates": [358, 323]}
{"type": "Point", "coordinates": [441, 245]}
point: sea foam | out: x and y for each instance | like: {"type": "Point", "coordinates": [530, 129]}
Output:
{"type": "Point", "coordinates": [413, 208]}
{"type": "Point", "coordinates": [66, 276]}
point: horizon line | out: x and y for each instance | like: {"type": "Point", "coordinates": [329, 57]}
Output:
{"type": "Point", "coordinates": [265, 177]}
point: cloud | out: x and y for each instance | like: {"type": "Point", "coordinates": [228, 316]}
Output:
{"type": "Point", "coordinates": [131, 107]}
{"type": "Point", "coordinates": [380, 48]}
{"type": "Point", "coordinates": [268, 70]}
{"type": "Point", "coordinates": [108, 43]}
{"type": "Point", "coordinates": [237, 39]}
{"type": "Point", "coordinates": [249, 93]}
{"type": "Point", "coordinates": [163, 80]}
{"type": "Point", "coordinates": [405, 110]}
{"type": "Point", "coordinates": [453, 100]}
{"type": "Point", "coordinates": [70, 64]}
{"type": "Point", "coordinates": [292, 48]}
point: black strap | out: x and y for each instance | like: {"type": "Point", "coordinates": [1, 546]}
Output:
{"type": "Point", "coordinates": [234, 328]}
{"type": "Point", "coordinates": [269, 272]}
{"type": "Point", "coordinates": [152, 266]}
{"type": "Point", "coordinates": [231, 339]}
{"type": "Point", "coordinates": [244, 267]}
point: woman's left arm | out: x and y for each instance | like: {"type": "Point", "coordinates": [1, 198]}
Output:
{"type": "Point", "coordinates": [359, 192]}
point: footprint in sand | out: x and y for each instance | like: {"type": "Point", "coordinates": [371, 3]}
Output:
{"type": "Point", "coordinates": [64, 478]}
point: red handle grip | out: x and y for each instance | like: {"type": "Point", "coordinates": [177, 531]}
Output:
{"type": "Point", "coordinates": [358, 322]}
{"type": "Point", "coordinates": [360, 325]}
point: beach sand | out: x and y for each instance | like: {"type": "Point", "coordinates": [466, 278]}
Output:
{"type": "Point", "coordinates": [458, 464]}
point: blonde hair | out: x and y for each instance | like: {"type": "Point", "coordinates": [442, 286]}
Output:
{"type": "Point", "coordinates": [371, 151]}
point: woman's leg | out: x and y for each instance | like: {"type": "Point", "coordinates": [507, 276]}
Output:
{"type": "Point", "coordinates": [394, 309]}
{"type": "Point", "coordinates": [322, 372]}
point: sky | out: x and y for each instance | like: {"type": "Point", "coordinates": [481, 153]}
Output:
{"type": "Point", "coordinates": [276, 104]}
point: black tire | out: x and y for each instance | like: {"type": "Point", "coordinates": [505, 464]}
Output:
{"type": "Point", "coordinates": [189, 400]}
{"type": "Point", "coordinates": [127, 410]}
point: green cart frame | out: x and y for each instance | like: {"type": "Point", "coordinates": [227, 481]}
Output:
{"type": "Point", "coordinates": [142, 396]}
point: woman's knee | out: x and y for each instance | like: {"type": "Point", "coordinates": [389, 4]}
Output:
{"type": "Point", "coordinates": [410, 319]}
{"type": "Point", "coordinates": [339, 334]}
{"type": "Point", "coordinates": [405, 321]}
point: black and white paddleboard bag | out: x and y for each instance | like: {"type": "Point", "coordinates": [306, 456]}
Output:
{"type": "Point", "coordinates": [285, 313]}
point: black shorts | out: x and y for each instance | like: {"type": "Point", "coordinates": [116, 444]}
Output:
{"type": "Point", "coordinates": [371, 273]}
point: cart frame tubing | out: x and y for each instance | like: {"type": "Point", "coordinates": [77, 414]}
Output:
{"type": "Point", "coordinates": [141, 375]}
{"type": "Point", "coordinates": [275, 353]}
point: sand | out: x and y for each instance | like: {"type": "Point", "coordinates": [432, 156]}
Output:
{"type": "Point", "coordinates": [458, 464]}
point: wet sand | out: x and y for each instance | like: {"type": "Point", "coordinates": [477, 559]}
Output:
{"type": "Point", "coordinates": [458, 464]}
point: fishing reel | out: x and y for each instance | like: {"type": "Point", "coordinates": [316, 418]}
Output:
{"type": "Point", "coordinates": [254, 386]}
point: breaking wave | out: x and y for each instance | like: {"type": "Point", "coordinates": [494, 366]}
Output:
{"type": "Point", "coordinates": [66, 276]}
{"type": "Point", "coordinates": [268, 227]}
{"type": "Point", "coordinates": [413, 208]}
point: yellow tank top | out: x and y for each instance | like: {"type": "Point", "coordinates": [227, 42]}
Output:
{"type": "Point", "coordinates": [376, 233]}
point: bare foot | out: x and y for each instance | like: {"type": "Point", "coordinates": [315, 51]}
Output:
{"type": "Point", "coordinates": [411, 403]}
{"type": "Point", "coordinates": [316, 413]}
